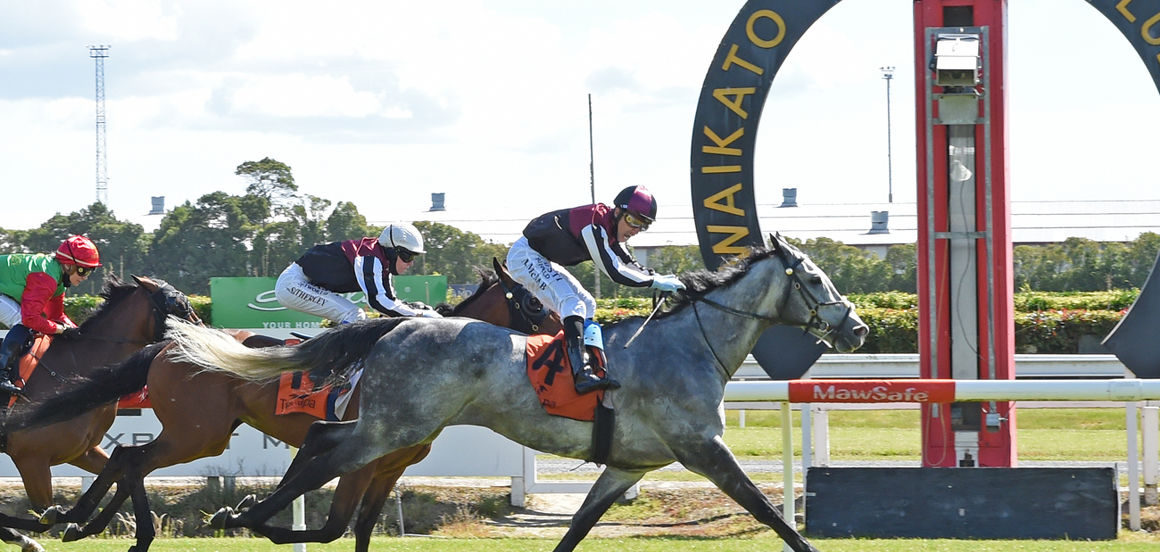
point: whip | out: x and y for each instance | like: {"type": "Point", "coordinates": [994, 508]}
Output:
{"type": "Point", "coordinates": [646, 320]}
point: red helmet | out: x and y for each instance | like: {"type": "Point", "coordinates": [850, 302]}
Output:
{"type": "Point", "coordinates": [638, 201]}
{"type": "Point", "coordinates": [80, 251]}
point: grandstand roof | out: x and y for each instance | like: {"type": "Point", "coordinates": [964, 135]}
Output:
{"type": "Point", "coordinates": [1033, 222]}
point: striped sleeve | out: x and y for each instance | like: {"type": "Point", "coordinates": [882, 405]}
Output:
{"type": "Point", "coordinates": [375, 282]}
{"type": "Point", "coordinates": [613, 260]}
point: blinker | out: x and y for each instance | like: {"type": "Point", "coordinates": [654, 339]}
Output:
{"type": "Point", "coordinates": [508, 295]}
{"type": "Point", "coordinates": [789, 271]}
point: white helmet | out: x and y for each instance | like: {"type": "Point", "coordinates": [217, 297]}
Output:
{"type": "Point", "coordinates": [402, 235]}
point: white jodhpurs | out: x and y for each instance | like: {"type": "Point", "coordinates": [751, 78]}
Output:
{"type": "Point", "coordinates": [9, 311]}
{"type": "Point", "coordinates": [554, 286]}
{"type": "Point", "coordinates": [294, 291]}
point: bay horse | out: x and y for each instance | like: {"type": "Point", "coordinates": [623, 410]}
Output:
{"type": "Point", "coordinates": [423, 375]}
{"type": "Point", "coordinates": [132, 316]}
{"type": "Point", "coordinates": [199, 410]}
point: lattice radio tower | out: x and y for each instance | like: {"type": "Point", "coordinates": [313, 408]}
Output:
{"type": "Point", "coordinates": [99, 53]}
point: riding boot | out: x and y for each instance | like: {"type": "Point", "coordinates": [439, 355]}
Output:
{"type": "Point", "coordinates": [10, 352]}
{"type": "Point", "coordinates": [585, 380]}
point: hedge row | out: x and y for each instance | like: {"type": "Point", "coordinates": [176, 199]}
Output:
{"type": "Point", "coordinates": [1054, 323]}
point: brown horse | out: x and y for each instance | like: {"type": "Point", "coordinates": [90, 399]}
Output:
{"type": "Point", "coordinates": [132, 316]}
{"type": "Point", "coordinates": [199, 411]}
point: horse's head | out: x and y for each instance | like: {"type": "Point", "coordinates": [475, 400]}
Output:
{"type": "Point", "coordinates": [501, 301]}
{"type": "Point", "coordinates": [812, 301]}
{"type": "Point", "coordinates": [529, 315]}
{"type": "Point", "coordinates": [167, 300]}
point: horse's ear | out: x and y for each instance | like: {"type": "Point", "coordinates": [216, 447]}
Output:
{"type": "Point", "coordinates": [776, 242]}
{"type": "Point", "coordinates": [501, 272]}
{"type": "Point", "coordinates": [144, 282]}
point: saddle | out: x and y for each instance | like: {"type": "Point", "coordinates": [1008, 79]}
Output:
{"type": "Point", "coordinates": [551, 376]}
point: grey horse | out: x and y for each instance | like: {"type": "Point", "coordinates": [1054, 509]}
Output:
{"type": "Point", "coordinates": [424, 375]}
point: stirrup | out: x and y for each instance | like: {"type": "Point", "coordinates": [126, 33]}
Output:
{"type": "Point", "coordinates": [10, 388]}
{"type": "Point", "coordinates": [587, 382]}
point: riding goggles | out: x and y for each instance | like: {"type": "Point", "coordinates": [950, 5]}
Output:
{"type": "Point", "coordinates": [83, 271]}
{"type": "Point", "coordinates": [635, 221]}
{"type": "Point", "coordinates": [405, 255]}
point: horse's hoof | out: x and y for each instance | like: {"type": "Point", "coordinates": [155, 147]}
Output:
{"type": "Point", "coordinates": [220, 517]}
{"type": "Point", "coordinates": [50, 515]}
{"type": "Point", "coordinates": [72, 532]}
{"type": "Point", "coordinates": [246, 502]}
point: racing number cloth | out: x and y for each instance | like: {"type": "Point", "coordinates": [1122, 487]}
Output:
{"type": "Point", "coordinates": [551, 378]}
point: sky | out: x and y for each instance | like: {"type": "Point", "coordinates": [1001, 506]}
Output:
{"type": "Point", "coordinates": [383, 102]}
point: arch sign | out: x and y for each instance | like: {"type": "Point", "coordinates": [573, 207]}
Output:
{"type": "Point", "coordinates": [729, 108]}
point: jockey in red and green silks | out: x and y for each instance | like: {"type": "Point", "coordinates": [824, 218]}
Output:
{"type": "Point", "coordinates": [32, 288]}
{"type": "Point", "coordinates": [567, 237]}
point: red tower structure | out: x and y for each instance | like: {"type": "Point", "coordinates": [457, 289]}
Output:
{"type": "Point", "coordinates": [965, 285]}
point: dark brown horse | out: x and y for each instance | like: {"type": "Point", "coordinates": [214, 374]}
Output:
{"type": "Point", "coordinates": [199, 411]}
{"type": "Point", "coordinates": [133, 315]}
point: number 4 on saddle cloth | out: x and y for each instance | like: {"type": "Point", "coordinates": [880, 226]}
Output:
{"type": "Point", "coordinates": [551, 376]}
{"type": "Point", "coordinates": [297, 394]}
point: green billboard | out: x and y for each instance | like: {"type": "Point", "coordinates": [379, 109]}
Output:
{"type": "Point", "coordinates": [250, 302]}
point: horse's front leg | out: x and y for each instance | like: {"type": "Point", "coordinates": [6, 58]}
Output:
{"type": "Point", "coordinates": [713, 460]}
{"type": "Point", "coordinates": [608, 487]}
{"type": "Point", "coordinates": [36, 474]}
{"type": "Point", "coordinates": [88, 502]}
{"type": "Point", "coordinates": [351, 488]}
{"type": "Point", "coordinates": [388, 470]}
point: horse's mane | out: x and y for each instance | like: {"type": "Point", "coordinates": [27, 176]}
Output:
{"type": "Point", "coordinates": [487, 279]}
{"type": "Point", "coordinates": [113, 292]}
{"type": "Point", "coordinates": [700, 282]}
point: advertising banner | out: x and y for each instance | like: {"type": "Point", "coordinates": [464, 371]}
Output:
{"type": "Point", "coordinates": [250, 302]}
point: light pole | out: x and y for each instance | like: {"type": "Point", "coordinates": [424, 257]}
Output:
{"type": "Point", "coordinates": [888, 75]}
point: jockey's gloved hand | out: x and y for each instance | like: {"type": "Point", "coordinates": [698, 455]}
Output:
{"type": "Point", "coordinates": [667, 283]}
{"type": "Point", "coordinates": [70, 333]}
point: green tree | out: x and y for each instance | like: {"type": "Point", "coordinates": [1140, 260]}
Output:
{"type": "Point", "coordinates": [271, 180]}
{"type": "Point", "coordinates": [455, 253]}
{"type": "Point", "coordinates": [345, 223]}
{"type": "Point", "coordinates": [123, 245]}
{"type": "Point", "coordinates": [196, 242]}
{"type": "Point", "coordinates": [903, 263]}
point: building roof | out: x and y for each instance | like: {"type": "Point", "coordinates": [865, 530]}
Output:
{"type": "Point", "coordinates": [1032, 222]}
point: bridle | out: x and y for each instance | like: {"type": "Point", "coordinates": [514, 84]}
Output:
{"type": "Point", "coordinates": [524, 306]}
{"type": "Point", "coordinates": [796, 284]}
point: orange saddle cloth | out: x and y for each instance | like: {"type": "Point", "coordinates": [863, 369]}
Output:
{"type": "Point", "coordinates": [551, 377]}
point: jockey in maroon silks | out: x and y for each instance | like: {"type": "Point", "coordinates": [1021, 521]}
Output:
{"type": "Point", "coordinates": [568, 237]}
{"type": "Point", "coordinates": [32, 288]}
{"type": "Point", "coordinates": [314, 283]}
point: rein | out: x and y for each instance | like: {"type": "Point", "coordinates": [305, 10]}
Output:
{"type": "Point", "coordinates": [815, 321]}
{"type": "Point", "coordinates": [158, 304]}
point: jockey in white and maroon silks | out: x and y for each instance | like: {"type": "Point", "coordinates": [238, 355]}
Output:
{"type": "Point", "coordinates": [312, 284]}
{"type": "Point", "coordinates": [568, 237]}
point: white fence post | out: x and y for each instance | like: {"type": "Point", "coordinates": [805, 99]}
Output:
{"type": "Point", "coordinates": [787, 493]}
{"type": "Point", "coordinates": [299, 512]}
{"type": "Point", "coordinates": [1151, 451]}
{"type": "Point", "coordinates": [1133, 469]}
{"type": "Point", "coordinates": [821, 435]}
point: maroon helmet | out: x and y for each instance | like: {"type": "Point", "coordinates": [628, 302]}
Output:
{"type": "Point", "coordinates": [638, 201]}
